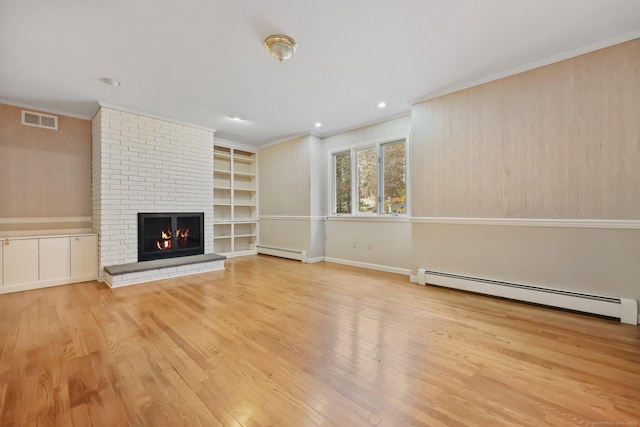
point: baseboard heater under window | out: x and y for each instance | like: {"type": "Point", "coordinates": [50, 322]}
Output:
{"type": "Point", "coordinates": [283, 253]}
{"type": "Point", "coordinates": [625, 309]}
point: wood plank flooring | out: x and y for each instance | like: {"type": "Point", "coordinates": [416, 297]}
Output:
{"type": "Point", "coordinates": [277, 342]}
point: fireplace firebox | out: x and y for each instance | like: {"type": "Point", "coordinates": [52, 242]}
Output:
{"type": "Point", "coordinates": [170, 235]}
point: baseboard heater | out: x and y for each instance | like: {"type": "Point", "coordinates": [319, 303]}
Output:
{"type": "Point", "coordinates": [625, 309]}
{"type": "Point", "coordinates": [283, 253]}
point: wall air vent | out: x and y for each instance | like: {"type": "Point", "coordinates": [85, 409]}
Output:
{"type": "Point", "coordinates": [40, 120]}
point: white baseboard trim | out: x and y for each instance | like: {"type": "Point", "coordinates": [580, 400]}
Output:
{"type": "Point", "coordinates": [46, 284]}
{"type": "Point", "coordinates": [239, 253]}
{"type": "Point", "coordinates": [625, 309]}
{"type": "Point", "coordinates": [316, 259]}
{"type": "Point", "coordinates": [378, 267]}
{"type": "Point", "coordinates": [283, 253]}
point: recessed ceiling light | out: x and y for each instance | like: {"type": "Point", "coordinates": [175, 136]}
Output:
{"type": "Point", "coordinates": [110, 82]}
{"type": "Point", "coordinates": [318, 125]}
{"type": "Point", "coordinates": [381, 105]}
{"type": "Point", "coordinates": [236, 118]}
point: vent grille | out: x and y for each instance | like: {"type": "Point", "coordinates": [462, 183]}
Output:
{"type": "Point", "coordinates": [29, 118]}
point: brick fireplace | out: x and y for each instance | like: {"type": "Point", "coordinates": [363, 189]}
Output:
{"type": "Point", "coordinates": [142, 164]}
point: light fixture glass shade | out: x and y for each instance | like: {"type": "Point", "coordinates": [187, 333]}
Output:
{"type": "Point", "coordinates": [280, 46]}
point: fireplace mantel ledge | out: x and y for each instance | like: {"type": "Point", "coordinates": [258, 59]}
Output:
{"type": "Point", "coordinates": [134, 267]}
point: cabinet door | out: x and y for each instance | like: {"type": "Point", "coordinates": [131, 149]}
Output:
{"type": "Point", "coordinates": [84, 256]}
{"type": "Point", "coordinates": [20, 261]}
{"type": "Point", "coordinates": [55, 258]}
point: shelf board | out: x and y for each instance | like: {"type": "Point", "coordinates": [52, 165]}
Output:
{"type": "Point", "coordinates": [250, 221]}
{"type": "Point", "coordinates": [250, 175]}
{"type": "Point", "coordinates": [221, 188]}
{"type": "Point", "coordinates": [243, 159]}
{"type": "Point", "coordinates": [222, 222]}
{"type": "Point", "coordinates": [221, 237]}
{"type": "Point", "coordinates": [244, 189]}
{"type": "Point", "coordinates": [244, 235]}
{"type": "Point", "coordinates": [222, 171]}
{"type": "Point", "coordinates": [219, 155]}
{"type": "Point", "coordinates": [221, 204]}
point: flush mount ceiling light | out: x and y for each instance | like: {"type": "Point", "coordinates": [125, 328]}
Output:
{"type": "Point", "coordinates": [318, 125]}
{"type": "Point", "coordinates": [280, 46]}
{"type": "Point", "coordinates": [110, 82]}
{"type": "Point", "coordinates": [381, 105]}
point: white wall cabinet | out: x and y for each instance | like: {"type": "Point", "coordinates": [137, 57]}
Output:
{"type": "Point", "coordinates": [38, 262]}
{"type": "Point", "coordinates": [84, 256]}
{"type": "Point", "coordinates": [55, 258]}
{"type": "Point", "coordinates": [20, 261]}
{"type": "Point", "coordinates": [235, 209]}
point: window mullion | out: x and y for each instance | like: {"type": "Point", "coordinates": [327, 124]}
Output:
{"type": "Point", "coordinates": [335, 186]}
{"type": "Point", "coordinates": [354, 182]}
{"type": "Point", "coordinates": [380, 180]}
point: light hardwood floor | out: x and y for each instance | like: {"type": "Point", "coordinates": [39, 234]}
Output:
{"type": "Point", "coordinates": [277, 342]}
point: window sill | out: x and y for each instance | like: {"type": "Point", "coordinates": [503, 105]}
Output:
{"type": "Point", "coordinates": [367, 218]}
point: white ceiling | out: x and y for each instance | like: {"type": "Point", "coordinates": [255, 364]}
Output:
{"type": "Point", "coordinates": [200, 61]}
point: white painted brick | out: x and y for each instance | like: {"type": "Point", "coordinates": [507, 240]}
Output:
{"type": "Point", "coordinates": [133, 154]}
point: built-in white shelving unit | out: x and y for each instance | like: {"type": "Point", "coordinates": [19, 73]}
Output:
{"type": "Point", "coordinates": [235, 203]}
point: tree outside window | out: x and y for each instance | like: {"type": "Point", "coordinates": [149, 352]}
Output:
{"type": "Point", "coordinates": [367, 167]}
{"type": "Point", "coordinates": [379, 176]}
{"type": "Point", "coordinates": [394, 178]}
{"type": "Point", "coordinates": [343, 182]}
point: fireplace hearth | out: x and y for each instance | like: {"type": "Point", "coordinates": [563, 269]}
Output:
{"type": "Point", "coordinates": [170, 235]}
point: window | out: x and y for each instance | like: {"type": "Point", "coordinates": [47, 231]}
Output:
{"type": "Point", "coordinates": [394, 178]}
{"type": "Point", "coordinates": [342, 167]}
{"type": "Point", "coordinates": [374, 176]}
{"type": "Point", "coordinates": [367, 168]}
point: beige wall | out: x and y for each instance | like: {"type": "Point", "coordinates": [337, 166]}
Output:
{"type": "Point", "coordinates": [292, 196]}
{"type": "Point", "coordinates": [45, 173]}
{"type": "Point", "coordinates": [558, 142]}
{"type": "Point", "coordinates": [379, 242]}
{"type": "Point", "coordinates": [318, 177]}
{"type": "Point", "coordinates": [284, 178]}
{"type": "Point", "coordinates": [561, 141]}
{"type": "Point", "coordinates": [593, 260]}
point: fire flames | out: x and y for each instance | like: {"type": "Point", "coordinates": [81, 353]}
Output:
{"type": "Point", "coordinates": [182, 234]}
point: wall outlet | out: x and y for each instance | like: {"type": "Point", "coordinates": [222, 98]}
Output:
{"type": "Point", "coordinates": [370, 245]}
{"type": "Point", "coordinates": [354, 244]}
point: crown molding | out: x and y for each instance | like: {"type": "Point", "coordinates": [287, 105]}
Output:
{"type": "Point", "coordinates": [530, 66]}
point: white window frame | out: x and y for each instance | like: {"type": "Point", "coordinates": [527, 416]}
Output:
{"type": "Point", "coordinates": [379, 144]}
